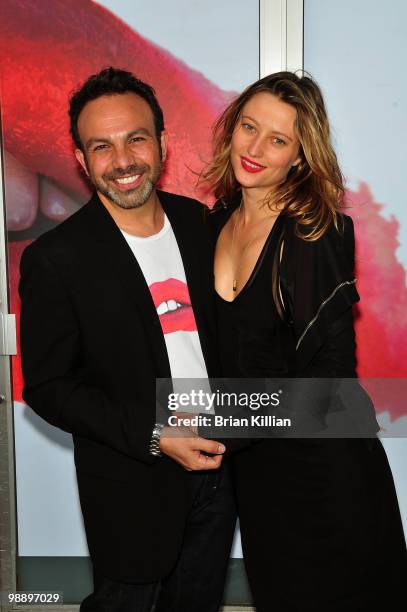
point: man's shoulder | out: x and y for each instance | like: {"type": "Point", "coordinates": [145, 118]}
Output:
{"type": "Point", "coordinates": [188, 206]}
{"type": "Point", "coordinates": [66, 235]}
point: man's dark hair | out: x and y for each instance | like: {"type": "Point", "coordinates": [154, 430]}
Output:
{"type": "Point", "coordinates": [108, 82]}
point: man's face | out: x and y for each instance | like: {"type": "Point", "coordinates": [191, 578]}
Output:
{"type": "Point", "coordinates": [121, 153]}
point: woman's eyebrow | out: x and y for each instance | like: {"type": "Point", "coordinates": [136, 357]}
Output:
{"type": "Point", "coordinates": [273, 131]}
{"type": "Point", "coordinates": [251, 118]}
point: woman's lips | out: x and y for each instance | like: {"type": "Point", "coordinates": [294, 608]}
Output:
{"type": "Point", "coordinates": [173, 304]}
{"type": "Point", "coordinates": [251, 166]}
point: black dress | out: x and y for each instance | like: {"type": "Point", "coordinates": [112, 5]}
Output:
{"type": "Point", "coordinates": [319, 518]}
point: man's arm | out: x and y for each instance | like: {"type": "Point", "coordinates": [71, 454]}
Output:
{"type": "Point", "coordinates": [55, 385]}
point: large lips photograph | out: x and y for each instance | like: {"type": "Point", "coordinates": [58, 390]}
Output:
{"type": "Point", "coordinates": [47, 49]}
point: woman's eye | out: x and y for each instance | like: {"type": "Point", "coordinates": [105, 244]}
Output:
{"type": "Point", "coordinates": [248, 127]}
{"type": "Point", "coordinates": [278, 141]}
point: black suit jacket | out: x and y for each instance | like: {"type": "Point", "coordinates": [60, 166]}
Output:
{"type": "Point", "coordinates": [92, 347]}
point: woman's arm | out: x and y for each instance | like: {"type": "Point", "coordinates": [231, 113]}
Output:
{"type": "Point", "coordinates": [318, 285]}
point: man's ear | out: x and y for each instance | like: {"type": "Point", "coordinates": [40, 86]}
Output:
{"type": "Point", "coordinates": [164, 144]}
{"type": "Point", "coordinates": [81, 159]}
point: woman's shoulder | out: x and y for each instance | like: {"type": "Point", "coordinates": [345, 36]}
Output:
{"type": "Point", "coordinates": [336, 230]}
{"type": "Point", "coordinates": [337, 241]}
{"type": "Point", "coordinates": [331, 257]}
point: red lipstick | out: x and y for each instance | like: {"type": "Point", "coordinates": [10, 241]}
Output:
{"type": "Point", "coordinates": [251, 166]}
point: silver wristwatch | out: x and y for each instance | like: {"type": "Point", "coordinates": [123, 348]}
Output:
{"type": "Point", "coordinates": [155, 440]}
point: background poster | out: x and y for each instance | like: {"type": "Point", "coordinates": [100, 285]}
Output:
{"type": "Point", "coordinates": [196, 55]}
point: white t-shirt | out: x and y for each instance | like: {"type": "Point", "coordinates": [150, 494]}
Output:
{"type": "Point", "coordinates": [160, 261]}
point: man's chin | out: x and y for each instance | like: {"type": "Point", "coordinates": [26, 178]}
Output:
{"type": "Point", "coordinates": [127, 204]}
{"type": "Point", "coordinates": [130, 200]}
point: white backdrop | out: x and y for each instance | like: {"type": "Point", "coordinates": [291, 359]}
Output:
{"type": "Point", "coordinates": [357, 52]}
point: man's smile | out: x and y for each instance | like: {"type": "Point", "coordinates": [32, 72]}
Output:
{"type": "Point", "coordinates": [128, 182]}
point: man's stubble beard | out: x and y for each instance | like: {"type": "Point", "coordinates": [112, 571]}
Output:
{"type": "Point", "coordinates": [134, 198]}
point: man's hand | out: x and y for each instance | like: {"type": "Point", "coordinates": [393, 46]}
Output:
{"type": "Point", "coordinates": [189, 450]}
{"type": "Point", "coordinates": [185, 420]}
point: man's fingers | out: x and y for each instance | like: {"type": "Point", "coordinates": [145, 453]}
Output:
{"type": "Point", "coordinates": [206, 462]}
{"type": "Point", "coordinates": [209, 446]}
{"type": "Point", "coordinates": [193, 453]}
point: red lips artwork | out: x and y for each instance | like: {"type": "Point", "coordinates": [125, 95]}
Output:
{"type": "Point", "coordinates": [47, 48]}
{"type": "Point", "coordinates": [173, 304]}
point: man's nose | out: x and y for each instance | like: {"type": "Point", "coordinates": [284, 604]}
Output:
{"type": "Point", "coordinates": [255, 148]}
{"type": "Point", "coordinates": [122, 157]}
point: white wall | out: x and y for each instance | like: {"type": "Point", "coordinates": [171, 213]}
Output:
{"type": "Point", "coordinates": [220, 38]}
{"type": "Point", "coordinates": [357, 50]}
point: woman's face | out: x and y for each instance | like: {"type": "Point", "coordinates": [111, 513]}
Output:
{"type": "Point", "coordinates": [264, 144]}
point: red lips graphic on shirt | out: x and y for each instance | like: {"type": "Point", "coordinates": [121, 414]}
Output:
{"type": "Point", "coordinates": [180, 319]}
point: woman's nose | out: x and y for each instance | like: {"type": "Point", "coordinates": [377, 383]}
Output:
{"type": "Point", "coordinates": [255, 148]}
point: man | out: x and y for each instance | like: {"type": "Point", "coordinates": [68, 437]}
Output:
{"type": "Point", "coordinates": [114, 297]}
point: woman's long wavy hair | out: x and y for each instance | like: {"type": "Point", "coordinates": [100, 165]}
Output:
{"type": "Point", "coordinates": [313, 191]}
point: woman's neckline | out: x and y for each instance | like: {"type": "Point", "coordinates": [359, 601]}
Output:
{"type": "Point", "coordinates": [258, 261]}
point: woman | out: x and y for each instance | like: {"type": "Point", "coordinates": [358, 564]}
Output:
{"type": "Point", "coordinates": [320, 524]}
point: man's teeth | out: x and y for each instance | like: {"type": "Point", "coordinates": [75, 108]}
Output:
{"type": "Point", "coordinates": [127, 179]}
{"type": "Point", "coordinates": [169, 306]}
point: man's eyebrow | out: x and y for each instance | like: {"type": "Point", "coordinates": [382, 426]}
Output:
{"type": "Point", "coordinates": [144, 131]}
{"type": "Point", "coordinates": [104, 140]}
{"type": "Point", "coordinates": [273, 131]}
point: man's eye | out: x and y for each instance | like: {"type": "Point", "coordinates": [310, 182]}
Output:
{"type": "Point", "coordinates": [100, 147]}
{"type": "Point", "coordinates": [137, 139]}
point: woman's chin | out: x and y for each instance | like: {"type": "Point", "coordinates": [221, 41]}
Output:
{"type": "Point", "coordinates": [251, 181]}
{"type": "Point", "coordinates": [248, 182]}
{"type": "Point", "coordinates": [253, 187]}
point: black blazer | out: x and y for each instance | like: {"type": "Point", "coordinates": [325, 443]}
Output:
{"type": "Point", "coordinates": [92, 347]}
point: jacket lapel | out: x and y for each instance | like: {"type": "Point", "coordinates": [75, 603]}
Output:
{"type": "Point", "coordinates": [195, 253]}
{"type": "Point", "coordinates": [119, 260]}
{"type": "Point", "coordinates": [193, 240]}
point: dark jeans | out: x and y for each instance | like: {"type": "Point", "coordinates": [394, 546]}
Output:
{"type": "Point", "coordinates": [197, 581]}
